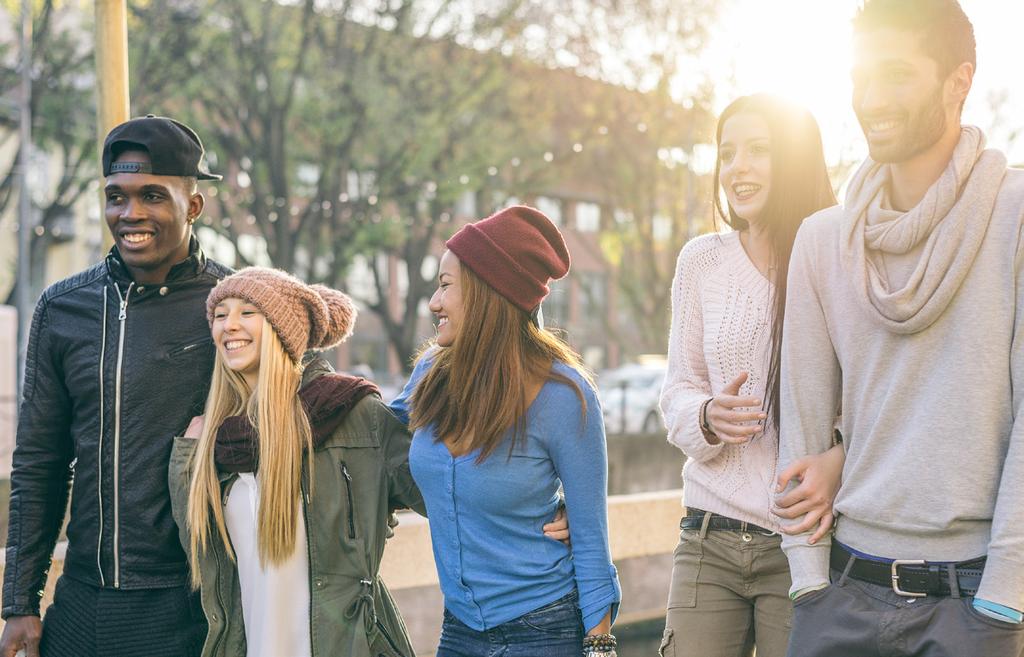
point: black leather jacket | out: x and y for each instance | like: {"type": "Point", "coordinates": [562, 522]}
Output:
{"type": "Point", "coordinates": [114, 370]}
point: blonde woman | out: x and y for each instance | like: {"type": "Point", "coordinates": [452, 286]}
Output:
{"type": "Point", "coordinates": [283, 491]}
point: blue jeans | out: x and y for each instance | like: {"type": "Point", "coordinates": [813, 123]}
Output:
{"type": "Point", "coordinates": [554, 630]}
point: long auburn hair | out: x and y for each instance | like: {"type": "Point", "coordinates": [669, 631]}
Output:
{"type": "Point", "coordinates": [276, 411]}
{"type": "Point", "coordinates": [800, 186]}
{"type": "Point", "coordinates": [477, 388]}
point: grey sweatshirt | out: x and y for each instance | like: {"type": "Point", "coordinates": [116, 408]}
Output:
{"type": "Point", "coordinates": [935, 455]}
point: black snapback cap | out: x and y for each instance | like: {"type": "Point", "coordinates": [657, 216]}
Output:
{"type": "Point", "coordinates": [174, 148]}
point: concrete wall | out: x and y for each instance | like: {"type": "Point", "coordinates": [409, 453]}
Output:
{"type": "Point", "coordinates": [643, 530]}
{"type": "Point", "coordinates": [640, 463]}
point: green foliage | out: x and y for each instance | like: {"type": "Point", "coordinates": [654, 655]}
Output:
{"type": "Point", "coordinates": [643, 146]}
{"type": "Point", "coordinates": [421, 102]}
{"type": "Point", "coordinates": [63, 111]}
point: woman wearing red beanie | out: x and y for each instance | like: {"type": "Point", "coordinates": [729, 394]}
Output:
{"type": "Point", "coordinates": [503, 412]}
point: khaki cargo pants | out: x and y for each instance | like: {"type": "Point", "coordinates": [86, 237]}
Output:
{"type": "Point", "coordinates": [729, 594]}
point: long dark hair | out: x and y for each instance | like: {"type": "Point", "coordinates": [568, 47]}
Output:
{"type": "Point", "coordinates": [799, 187]}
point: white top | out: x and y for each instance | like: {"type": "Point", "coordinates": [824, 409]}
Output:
{"type": "Point", "coordinates": [721, 326]}
{"type": "Point", "coordinates": [275, 600]}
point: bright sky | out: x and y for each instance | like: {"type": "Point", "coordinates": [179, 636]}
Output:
{"type": "Point", "coordinates": [801, 50]}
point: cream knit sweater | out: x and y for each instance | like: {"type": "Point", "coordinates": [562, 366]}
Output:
{"type": "Point", "coordinates": [721, 326]}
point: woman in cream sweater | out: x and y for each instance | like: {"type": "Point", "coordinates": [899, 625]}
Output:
{"type": "Point", "coordinates": [730, 580]}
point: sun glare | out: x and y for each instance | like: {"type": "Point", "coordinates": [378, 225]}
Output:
{"type": "Point", "coordinates": [800, 49]}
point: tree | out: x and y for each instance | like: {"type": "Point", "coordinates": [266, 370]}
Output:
{"type": "Point", "coordinates": [63, 121]}
{"type": "Point", "coordinates": [352, 128]}
{"type": "Point", "coordinates": [650, 148]}
{"type": "Point", "coordinates": [658, 192]}
{"type": "Point", "coordinates": [306, 99]}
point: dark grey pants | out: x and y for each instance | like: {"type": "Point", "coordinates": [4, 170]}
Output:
{"type": "Point", "coordinates": [851, 618]}
{"type": "Point", "coordinates": [87, 621]}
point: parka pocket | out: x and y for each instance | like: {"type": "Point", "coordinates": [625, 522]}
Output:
{"type": "Point", "coordinates": [345, 523]}
{"type": "Point", "coordinates": [686, 565]}
{"type": "Point", "coordinates": [346, 477]}
{"type": "Point", "coordinates": [384, 645]}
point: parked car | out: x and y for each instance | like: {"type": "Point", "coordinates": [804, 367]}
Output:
{"type": "Point", "coordinates": [629, 398]}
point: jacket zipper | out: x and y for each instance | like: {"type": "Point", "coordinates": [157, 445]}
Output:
{"type": "Point", "coordinates": [99, 461]}
{"type": "Point", "coordinates": [220, 602]}
{"type": "Point", "coordinates": [351, 506]}
{"type": "Point", "coordinates": [208, 647]}
{"type": "Point", "coordinates": [217, 592]}
{"type": "Point", "coordinates": [309, 552]}
{"type": "Point", "coordinates": [122, 315]}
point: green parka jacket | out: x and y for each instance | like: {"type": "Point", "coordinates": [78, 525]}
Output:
{"type": "Point", "coordinates": [361, 473]}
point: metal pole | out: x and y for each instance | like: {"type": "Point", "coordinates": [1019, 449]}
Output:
{"type": "Point", "coordinates": [111, 76]}
{"type": "Point", "coordinates": [25, 223]}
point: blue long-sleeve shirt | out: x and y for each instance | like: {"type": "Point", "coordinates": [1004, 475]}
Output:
{"type": "Point", "coordinates": [493, 560]}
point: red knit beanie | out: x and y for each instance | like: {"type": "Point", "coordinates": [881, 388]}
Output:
{"type": "Point", "coordinates": [517, 251]}
{"type": "Point", "coordinates": [304, 316]}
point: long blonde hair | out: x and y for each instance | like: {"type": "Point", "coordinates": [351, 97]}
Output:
{"type": "Point", "coordinates": [477, 389]}
{"type": "Point", "coordinates": [276, 411]}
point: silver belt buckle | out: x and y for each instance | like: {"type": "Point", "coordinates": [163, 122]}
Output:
{"type": "Point", "coordinates": [896, 577]}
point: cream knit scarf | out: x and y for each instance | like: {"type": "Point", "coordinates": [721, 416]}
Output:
{"type": "Point", "coordinates": [951, 218]}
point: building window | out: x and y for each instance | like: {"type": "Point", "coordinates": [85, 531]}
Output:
{"type": "Point", "coordinates": [661, 228]}
{"type": "Point", "coordinates": [500, 199]}
{"type": "Point", "coordinates": [552, 207]}
{"type": "Point", "coordinates": [360, 184]}
{"type": "Point", "coordinates": [308, 174]}
{"type": "Point", "coordinates": [594, 357]}
{"type": "Point", "coordinates": [402, 276]}
{"type": "Point", "coordinates": [352, 184]}
{"type": "Point", "coordinates": [556, 305]}
{"type": "Point", "coordinates": [588, 217]}
{"type": "Point", "coordinates": [359, 280]}
{"type": "Point", "coordinates": [217, 246]}
{"type": "Point", "coordinates": [428, 267]}
{"type": "Point", "coordinates": [465, 206]}
{"type": "Point", "coordinates": [593, 290]}
{"type": "Point", "coordinates": [254, 249]}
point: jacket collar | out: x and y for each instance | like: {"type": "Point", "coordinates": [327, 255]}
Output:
{"type": "Point", "coordinates": [187, 269]}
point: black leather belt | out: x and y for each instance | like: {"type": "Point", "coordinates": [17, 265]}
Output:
{"type": "Point", "coordinates": [694, 519]}
{"type": "Point", "coordinates": [912, 578]}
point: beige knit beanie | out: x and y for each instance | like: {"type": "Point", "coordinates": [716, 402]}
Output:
{"type": "Point", "coordinates": [304, 316]}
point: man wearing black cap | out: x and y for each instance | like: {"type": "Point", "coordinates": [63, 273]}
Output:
{"type": "Point", "coordinates": [119, 358]}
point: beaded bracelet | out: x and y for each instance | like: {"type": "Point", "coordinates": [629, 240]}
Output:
{"type": "Point", "coordinates": [599, 642]}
